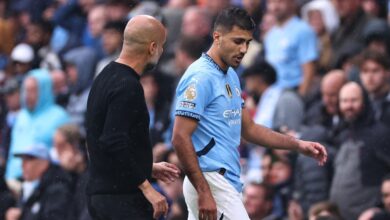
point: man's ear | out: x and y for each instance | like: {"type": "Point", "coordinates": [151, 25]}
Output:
{"type": "Point", "coordinates": [217, 37]}
{"type": "Point", "coordinates": [152, 48]}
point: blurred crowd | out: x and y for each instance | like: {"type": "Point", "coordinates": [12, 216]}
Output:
{"type": "Point", "coordinates": [316, 69]}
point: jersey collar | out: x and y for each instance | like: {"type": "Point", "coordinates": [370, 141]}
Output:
{"type": "Point", "coordinates": [207, 57]}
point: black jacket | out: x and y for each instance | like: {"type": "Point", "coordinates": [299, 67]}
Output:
{"type": "Point", "coordinates": [51, 199]}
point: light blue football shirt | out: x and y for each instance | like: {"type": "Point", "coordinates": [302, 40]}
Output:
{"type": "Point", "coordinates": [213, 97]}
{"type": "Point", "coordinates": [289, 46]}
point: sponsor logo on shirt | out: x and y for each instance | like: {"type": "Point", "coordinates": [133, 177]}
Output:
{"type": "Point", "coordinates": [233, 116]}
{"type": "Point", "coordinates": [189, 105]}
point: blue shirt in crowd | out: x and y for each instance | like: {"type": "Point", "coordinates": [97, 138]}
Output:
{"type": "Point", "coordinates": [289, 46]}
{"type": "Point", "coordinates": [213, 97]}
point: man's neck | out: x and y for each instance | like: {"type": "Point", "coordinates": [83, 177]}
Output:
{"type": "Point", "coordinates": [137, 63]}
{"type": "Point", "coordinates": [217, 59]}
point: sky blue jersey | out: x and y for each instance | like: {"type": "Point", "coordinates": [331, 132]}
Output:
{"type": "Point", "coordinates": [213, 97]}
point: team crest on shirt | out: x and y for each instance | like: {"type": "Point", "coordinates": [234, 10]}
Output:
{"type": "Point", "coordinates": [190, 93]}
{"type": "Point", "coordinates": [229, 90]}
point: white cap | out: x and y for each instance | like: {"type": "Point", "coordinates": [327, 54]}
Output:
{"type": "Point", "coordinates": [22, 53]}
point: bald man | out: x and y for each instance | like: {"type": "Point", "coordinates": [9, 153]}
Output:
{"type": "Point", "coordinates": [363, 158]}
{"type": "Point", "coordinates": [117, 122]}
{"type": "Point", "coordinates": [330, 87]}
{"type": "Point", "coordinates": [325, 112]}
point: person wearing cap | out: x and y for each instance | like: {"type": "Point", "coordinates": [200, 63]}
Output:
{"type": "Point", "coordinates": [37, 120]}
{"type": "Point", "coordinates": [46, 192]}
{"type": "Point", "coordinates": [22, 57]}
{"type": "Point", "coordinates": [11, 94]}
{"type": "Point", "coordinates": [277, 107]}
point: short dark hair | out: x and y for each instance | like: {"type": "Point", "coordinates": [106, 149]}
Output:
{"type": "Point", "coordinates": [262, 69]}
{"type": "Point", "coordinates": [234, 17]}
{"type": "Point", "coordinates": [377, 57]}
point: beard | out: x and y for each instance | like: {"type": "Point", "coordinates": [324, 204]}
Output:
{"type": "Point", "coordinates": [150, 67]}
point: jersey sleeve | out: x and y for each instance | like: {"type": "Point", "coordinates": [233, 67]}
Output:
{"type": "Point", "coordinates": [307, 46]}
{"type": "Point", "coordinates": [192, 96]}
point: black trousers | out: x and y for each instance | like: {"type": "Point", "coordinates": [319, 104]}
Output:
{"type": "Point", "coordinates": [120, 207]}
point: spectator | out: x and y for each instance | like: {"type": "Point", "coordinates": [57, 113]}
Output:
{"type": "Point", "coordinates": [323, 18]}
{"type": "Point", "coordinates": [375, 8]}
{"type": "Point", "coordinates": [112, 38]}
{"type": "Point", "coordinates": [267, 22]}
{"type": "Point", "coordinates": [377, 213]}
{"type": "Point", "coordinates": [277, 107]}
{"type": "Point", "coordinates": [353, 20]}
{"type": "Point", "coordinates": [173, 190]}
{"type": "Point", "coordinates": [38, 35]}
{"type": "Point", "coordinates": [46, 191]}
{"type": "Point", "coordinates": [187, 51]}
{"type": "Point", "coordinates": [256, 11]}
{"type": "Point", "coordinates": [7, 37]}
{"type": "Point", "coordinates": [37, 120]}
{"type": "Point", "coordinates": [280, 179]}
{"type": "Point", "coordinates": [22, 57]}
{"type": "Point", "coordinates": [291, 47]}
{"type": "Point", "coordinates": [363, 158]}
{"type": "Point", "coordinates": [93, 34]}
{"type": "Point", "coordinates": [311, 182]}
{"type": "Point", "coordinates": [67, 145]}
{"type": "Point", "coordinates": [325, 111]}
{"type": "Point", "coordinates": [197, 22]}
{"type": "Point", "coordinates": [375, 76]}
{"type": "Point", "coordinates": [118, 10]}
{"type": "Point", "coordinates": [70, 22]}
{"type": "Point", "coordinates": [12, 101]}
{"type": "Point", "coordinates": [7, 200]}
{"type": "Point", "coordinates": [158, 112]}
{"type": "Point", "coordinates": [172, 14]}
{"type": "Point", "coordinates": [151, 8]}
{"type": "Point", "coordinates": [385, 189]}
{"type": "Point", "coordinates": [324, 209]}
{"type": "Point", "coordinates": [258, 199]}
{"type": "Point", "coordinates": [256, 47]}
{"type": "Point", "coordinates": [80, 70]}
{"type": "Point", "coordinates": [60, 87]}
{"type": "Point", "coordinates": [215, 6]}
{"type": "Point", "coordinates": [377, 36]}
